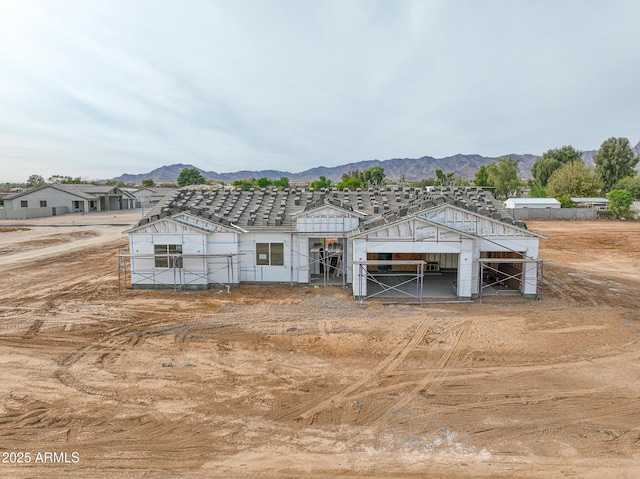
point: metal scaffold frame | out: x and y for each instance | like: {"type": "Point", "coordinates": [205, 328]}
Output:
{"type": "Point", "coordinates": [177, 262]}
{"type": "Point", "coordinates": [519, 276]}
{"type": "Point", "coordinates": [322, 260]}
{"type": "Point", "coordinates": [365, 275]}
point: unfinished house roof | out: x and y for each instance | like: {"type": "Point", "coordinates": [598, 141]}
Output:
{"type": "Point", "coordinates": [273, 209]}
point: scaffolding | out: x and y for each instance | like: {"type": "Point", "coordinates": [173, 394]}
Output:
{"type": "Point", "coordinates": [176, 264]}
{"type": "Point", "coordinates": [365, 275]}
{"type": "Point", "coordinates": [329, 258]}
{"type": "Point", "coordinates": [332, 260]}
{"type": "Point", "coordinates": [500, 277]}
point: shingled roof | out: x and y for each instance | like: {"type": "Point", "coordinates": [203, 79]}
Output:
{"type": "Point", "coordinates": [271, 208]}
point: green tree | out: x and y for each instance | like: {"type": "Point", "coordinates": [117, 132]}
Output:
{"type": "Point", "coordinates": [372, 176]}
{"type": "Point", "coordinates": [574, 179]}
{"type": "Point", "coordinates": [283, 182]}
{"type": "Point", "coordinates": [543, 168]}
{"type": "Point", "coordinates": [552, 160]}
{"type": "Point", "coordinates": [350, 174]}
{"type": "Point", "coordinates": [620, 203]}
{"type": "Point", "coordinates": [264, 182]}
{"type": "Point", "coordinates": [190, 176]}
{"type": "Point", "coordinates": [614, 161]}
{"type": "Point", "coordinates": [322, 182]}
{"type": "Point", "coordinates": [566, 201]}
{"type": "Point", "coordinates": [459, 181]}
{"type": "Point", "coordinates": [35, 180]}
{"type": "Point", "coordinates": [350, 182]}
{"type": "Point", "coordinates": [148, 183]}
{"type": "Point", "coordinates": [564, 155]}
{"type": "Point", "coordinates": [442, 178]}
{"type": "Point", "coordinates": [482, 177]}
{"type": "Point", "coordinates": [65, 179]}
{"type": "Point", "coordinates": [504, 176]}
{"type": "Point", "coordinates": [537, 190]}
{"type": "Point", "coordinates": [244, 184]}
{"type": "Point", "coordinates": [629, 183]}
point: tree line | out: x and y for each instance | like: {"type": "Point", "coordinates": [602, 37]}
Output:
{"type": "Point", "coordinates": [559, 173]}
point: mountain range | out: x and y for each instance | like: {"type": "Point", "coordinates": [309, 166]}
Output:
{"type": "Point", "coordinates": [413, 169]}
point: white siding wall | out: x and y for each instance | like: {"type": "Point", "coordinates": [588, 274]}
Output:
{"type": "Point", "coordinates": [223, 243]}
{"type": "Point", "coordinates": [326, 224]}
{"type": "Point", "coordinates": [359, 285]}
{"type": "Point", "coordinates": [250, 271]}
{"type": "Point", "coordinates": [144, 272]}
{"type": "Point", "coordinates": [531, 270]}
{"type": "Point", "coordinates": [301, 275]}
{"type": "Point", "coordinates": [465, 269]}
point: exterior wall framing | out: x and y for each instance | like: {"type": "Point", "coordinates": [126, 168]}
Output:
{"type": "Point", "coordinates": [279, 247]}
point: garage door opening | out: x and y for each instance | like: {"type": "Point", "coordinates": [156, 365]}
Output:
{"type": "Point", "coordinates": [409, 275]}
{"type": "Point", "coordinates": [503, 273]}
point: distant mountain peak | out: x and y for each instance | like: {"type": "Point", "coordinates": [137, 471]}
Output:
{"type": "Point", "coordinates": [413, 169]}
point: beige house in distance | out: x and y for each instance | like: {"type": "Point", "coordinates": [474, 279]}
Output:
{"type": "Point", "coordinates": [59, 199]}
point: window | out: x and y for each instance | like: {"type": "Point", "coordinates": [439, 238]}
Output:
{"type": "Point", "coordinates": [24, 203]}
{"type": "Point", "coordinates": [165, 255]}
{"type": "Point", "coordinates": [270, 254]}
{"type": "Point", "coordinates": [43, 203]}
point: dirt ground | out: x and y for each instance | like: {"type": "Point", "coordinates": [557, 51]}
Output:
{"type": "Point", "coordinates": [273, 382]}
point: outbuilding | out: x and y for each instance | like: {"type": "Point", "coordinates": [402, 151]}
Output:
{"type": "Point", "coordinates": [519, 203]}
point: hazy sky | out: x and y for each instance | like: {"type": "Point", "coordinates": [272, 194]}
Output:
{"type": "Point", "coordinates": [99, 88]}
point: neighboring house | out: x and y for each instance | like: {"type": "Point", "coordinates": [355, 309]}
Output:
{"type": "Point", "coordinates": [148, 197]}
{"type": "Point", "coordinates": [518, 203]}
{"type": "Point", "coordinates": [383, 242]}
{"type": "Point", "coordinates": [56, 199]}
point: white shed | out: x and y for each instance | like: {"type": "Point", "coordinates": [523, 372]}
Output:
{"type": "Point", "coordinates": [519, 203]}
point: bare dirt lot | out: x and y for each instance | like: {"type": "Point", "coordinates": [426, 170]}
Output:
{"type": "Point", "coordinates": [269, 381]}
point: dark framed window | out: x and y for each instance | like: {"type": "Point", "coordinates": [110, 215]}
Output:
{"type": "Point", "coordinates": [167, 255]}
{"type": "Point", "coordinates": [43, 203]}
{"type": "Point", "coordinates": [24, 203]}
{"type": "Point", "coordinates": [270, 254]}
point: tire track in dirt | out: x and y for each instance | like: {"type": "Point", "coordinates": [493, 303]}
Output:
{"type": "Point", "coordinates": [400, 352]}
{"type": "Point", "coordinates": [35, 327]}
{"type": "Point", "coordinates": [493, 371]}
{"type": "Point", "coordinates": [65, 378]}
{"type": "Point", "coordinates": [432, 380]}
{"type": "Point", "coordinates": [631, 438]}
{"type": "Point", "coordinates": [113, 339]}
{"type": "Point", "coordinates": [588, 288]}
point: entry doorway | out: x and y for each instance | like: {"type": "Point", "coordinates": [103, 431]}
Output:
{"type": "Point", "coordinates": [327, 261]}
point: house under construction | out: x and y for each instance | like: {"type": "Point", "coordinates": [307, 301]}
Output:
{"type": "Point", "coordinates": [388, 242]}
